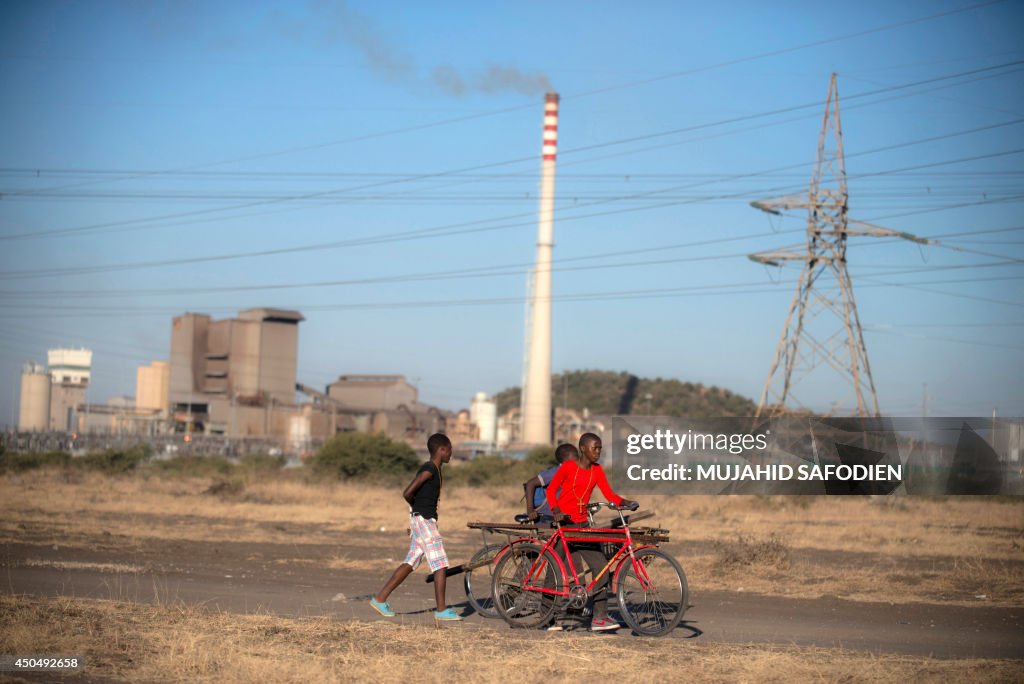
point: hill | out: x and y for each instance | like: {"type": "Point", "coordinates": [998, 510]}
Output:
{"type": "Point", "coordinates": [611, 393]}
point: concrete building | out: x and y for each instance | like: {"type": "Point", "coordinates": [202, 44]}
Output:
{"type": "Point", "coordinates": [152, 385]}
{"type": "Point", "coordinates": [508, 430]}
{"type": "Point", "coordinates": [461, 428]}
{"type": "Point", "coordinates": [34, 408]}
{"type": "Point", "coordinates": [237, 378]}
{"type": "Point", "coordinates": [65, 398]}
{"type": "Point", "coordinates": [373, 392]}
{"type": "Point", "coordinates": [217, 366]}
{"type": "Point", "coordinates": [71, 366]}
{"type": "Point", "coordinates": [116, 416]}
{"type": "Point", "coordinates": [483, 412]}
{"type": "Point", "coordinates": [413, 425]}
{"type": "Point", "coordinates": [387, 404]}
{"type": "Point", "coordinates": [70, 371]}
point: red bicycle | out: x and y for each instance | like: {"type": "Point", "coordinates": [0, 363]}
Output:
{"type": "Point", "coordinates": [533, 584]}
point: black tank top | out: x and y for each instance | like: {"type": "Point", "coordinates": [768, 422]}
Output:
{"type": "Point", "coordinates": [425, 500]}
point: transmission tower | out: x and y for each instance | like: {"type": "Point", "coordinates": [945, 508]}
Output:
{"type": "Point", "coordinates": [822, 326]}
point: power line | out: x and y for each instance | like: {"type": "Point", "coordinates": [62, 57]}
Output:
{"type": "Point", "coordinates": [752, 287]}
{"type": "Point", "coordinates": [783, 51]}
{"type": "Point", "coordinates": [632, 84]}
{"type": "Point", "coordinates": [305, 196]}
{"type": "Point", "coordinates": [915, 286]}
{"type": "Point", "coordinates": [437, 231]}
{"type": "Point", "coordinates": [517, 176]}
{"type": "Point", "coordinates": [495, 270]}
{"type": "Point", "coordinates": [792, 108]}
{"type": "Point", "coordinates": [931, 338]}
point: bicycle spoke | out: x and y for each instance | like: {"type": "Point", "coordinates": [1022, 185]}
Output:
{"type": "Point", "coordinates": [653, 594]}
{"type": "Point", "coordinates": [521, 569]}
{"type": "Point", "coordinates": [479, 581]}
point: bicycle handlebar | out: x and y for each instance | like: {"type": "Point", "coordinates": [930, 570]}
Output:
{"type": "Point", "coordinates": [598, 505]}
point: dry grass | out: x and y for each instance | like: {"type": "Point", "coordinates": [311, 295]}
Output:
{"type": "Point", "coordinates": [990, 584]}
{"type": "Point", "coordinates": [79, 565]}
{"type": "Point", "coordinates": [89, 503]}
{"type": "Point", "coordinates": [925, 550]}
{"type": "Point", "coordinates": [951, 550]}
{"type": "Point", "coordinates": [913, 527]}
{"type": "Point", "coordinates": [131, 642]}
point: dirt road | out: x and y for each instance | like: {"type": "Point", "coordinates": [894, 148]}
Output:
{"type": "Point", "coordinates": [293, 580]}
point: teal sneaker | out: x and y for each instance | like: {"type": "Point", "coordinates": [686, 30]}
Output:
{"type": "Point", "coordinates": [382, 607]}
{"type": "Point", "coordinates": [447, 614]}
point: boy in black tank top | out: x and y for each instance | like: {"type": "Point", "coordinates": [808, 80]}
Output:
{"type": "Point", "coordinates": [422, 495]}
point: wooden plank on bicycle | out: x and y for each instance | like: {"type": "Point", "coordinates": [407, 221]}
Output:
{"type": "Point", "coordinates": [501, 526]}
{"type": "Point", "coordinates": [642, 515]}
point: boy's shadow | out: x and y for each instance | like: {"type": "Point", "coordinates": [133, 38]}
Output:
{"type": "Point", "coordinates": [689, 629]}
{"type": "Point", "coordinates": [464, 609]}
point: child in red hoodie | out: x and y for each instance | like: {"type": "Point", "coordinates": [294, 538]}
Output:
{"type": "Point", "coordinates": [574, 482]}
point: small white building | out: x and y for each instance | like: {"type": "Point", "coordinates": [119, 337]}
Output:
{"type": "Point", "coordinates": [483, 412]}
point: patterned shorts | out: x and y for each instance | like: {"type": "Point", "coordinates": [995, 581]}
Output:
{"type": "Point", "coordinates": [426, 541]}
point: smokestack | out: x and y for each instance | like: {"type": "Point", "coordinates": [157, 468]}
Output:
{"type": "Point", "coordinates": [536, 408]}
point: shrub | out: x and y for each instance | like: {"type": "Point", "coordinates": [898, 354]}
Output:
{"type": "Point", "coordinates": [502, 471]}
{"type": "Point", "coordinates": [225, 488]}
{"type": "Point", "coordinates": [540, 458]}
{"type": "Point", "coordinates": [190, 465]}
{"type": "Point", "coordinates": [18, 462]}
{"type": "Point", "coordinates": [484, 470]}
{"type": "Point", "coordinates": [261, 463]}
{"type": "Point", "coordinates": [113, 461]}
{"type": "Point", "coordinates": [358, 454]}
{"type": "Point", "coordinates": [258, 467]}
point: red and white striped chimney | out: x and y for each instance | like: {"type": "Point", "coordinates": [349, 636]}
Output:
{"type": "Point", "coordinates": [536, 405]}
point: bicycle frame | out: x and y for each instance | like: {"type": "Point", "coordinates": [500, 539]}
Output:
{"type": "Point", "coordinates": [568, 535]}
{"type": "Point", "coordinates": [508, 544]}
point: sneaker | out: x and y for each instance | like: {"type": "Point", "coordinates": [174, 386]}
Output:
{"type": "Point", "coordinates": [382, 607]}
{"type": "Point", "coordinates": [556, 627]}
{"type": "Point", "coordinates": [603, 624]}
{"type": "Point", "coordinates": [447, 614]}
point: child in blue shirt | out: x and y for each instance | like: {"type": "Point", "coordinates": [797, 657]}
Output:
{"type": "Point", "coordinates": [536, 499]}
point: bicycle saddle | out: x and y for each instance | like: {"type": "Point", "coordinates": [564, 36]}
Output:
{"type": "Point", "coordinates": [522, 518]}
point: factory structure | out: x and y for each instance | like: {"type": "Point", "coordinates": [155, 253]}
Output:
{"type": "Point", "coordinates": [237, 378]}
{"type": "Point", "coordinates": [51, 395]}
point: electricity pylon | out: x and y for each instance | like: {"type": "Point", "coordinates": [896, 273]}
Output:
{"type": "Point", "coordinates": [822, 326]}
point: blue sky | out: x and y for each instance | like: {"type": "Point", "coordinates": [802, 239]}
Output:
{"type": "Point", "coordinates": [144, 133]}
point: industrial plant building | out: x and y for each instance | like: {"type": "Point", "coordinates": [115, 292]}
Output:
{"type": "Point", "coordinates": [237, 378]}
{"type": "Point", "coordinates": [50, 397]}
{"type": "Point", "coordinates": [34, 409]}
{"type": "Point", "coordinates": [151, 386]}
{"type": "Point", "coordinates": [252, 356]}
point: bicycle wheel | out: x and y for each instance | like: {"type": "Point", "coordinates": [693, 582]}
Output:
{"type": "Point", "coordinates": [654, 604]}
{"type": "Point", "coordinates": [520, 606]}
{"type": "Point", "coordinates": [479, 582]}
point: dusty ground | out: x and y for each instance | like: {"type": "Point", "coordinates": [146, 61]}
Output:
{"type": "Point", "coordinates": [145, 642]}
{"type": "Point", "coordinates": [885, 591]}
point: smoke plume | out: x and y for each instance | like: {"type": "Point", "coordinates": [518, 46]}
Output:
{"type": "Point", "coordinates": [495, 79]}
{"type": "Point", "coordinates": [340, 24]}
